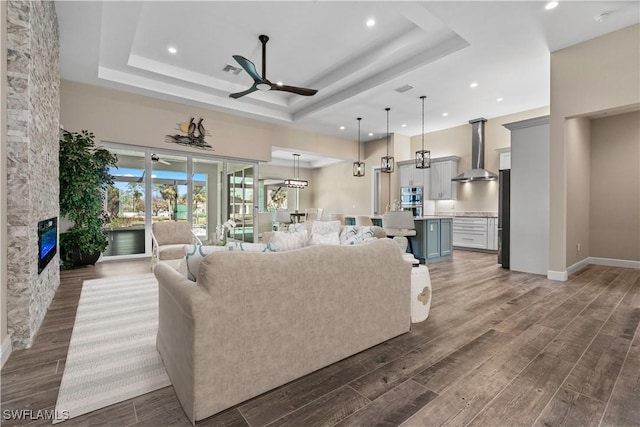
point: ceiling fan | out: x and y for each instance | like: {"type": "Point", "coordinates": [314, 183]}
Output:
{"type": "Point", "coordinates": [261, 82]}
{"type": "Point", "coordinates": [156, 159]}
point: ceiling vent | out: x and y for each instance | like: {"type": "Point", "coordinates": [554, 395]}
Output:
{"type": "Point", "coordinates": [404, 88]}
{"type": "Point", "coordinates": [231, 69]}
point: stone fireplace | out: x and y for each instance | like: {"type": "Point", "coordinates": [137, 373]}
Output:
{"type": "Point", "coordinates": [33, 123]}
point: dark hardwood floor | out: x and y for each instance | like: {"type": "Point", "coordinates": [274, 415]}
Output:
{"type": "Point", "coordinates": [499, 349]}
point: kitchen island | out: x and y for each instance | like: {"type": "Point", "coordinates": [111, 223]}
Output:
{"type": "Point", "coordinates": [433, 239]}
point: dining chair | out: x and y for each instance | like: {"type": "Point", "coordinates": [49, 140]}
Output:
{"type": "Point", "coordinates": [399, 223]}
{"type": "Point", "coordinates": [364, 220]}
{"type": "Point", "coordinates": [337, 217]}
{"type": "Point", "coordinates": [313, 214]}
{"type": "Point", "coordinates": [283, 218]}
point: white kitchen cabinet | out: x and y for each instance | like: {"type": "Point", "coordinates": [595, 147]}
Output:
{"type": "Point", "coordinates": [409, 176]}
{"type": "Point", "coordinates": [504, 161]}
{"type": "Point", "coordinates": [440, 174]}
{"type": "Point", "coordinates": [470, 232]}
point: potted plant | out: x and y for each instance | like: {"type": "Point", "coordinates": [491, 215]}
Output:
{"type": "Point", "coordinates": [84, 177]}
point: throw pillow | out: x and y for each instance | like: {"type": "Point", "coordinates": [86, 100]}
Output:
{"type": "Point", "coordinates": [354, 235]}
{"type": "Point", "coordinates": [281, 241]}
{"type": "Point", "coordinates": [296, 226]}
{"type": "Point", "coordinates": [194, 254]}
{"type": "Point", "coordinates": [250, 247]}
{"type": "Point", "coordinates": [324, 239]}
{"type": "Point", "coordinates": [325, 227]}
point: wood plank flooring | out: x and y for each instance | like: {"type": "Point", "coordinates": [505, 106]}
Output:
{"type": "Point", "coordinates": [499, 348]}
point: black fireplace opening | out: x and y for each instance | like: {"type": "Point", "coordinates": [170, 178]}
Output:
{"type": "Point", "coordinates": [47, 241]}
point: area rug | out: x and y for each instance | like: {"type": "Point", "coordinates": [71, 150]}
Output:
{"type": "Point", "coordinates": [112, 355]}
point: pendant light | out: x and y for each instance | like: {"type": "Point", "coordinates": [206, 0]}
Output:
{"type": "Point", "coordinates": [423, 157]}
{"type": "Point", "coordinates": [387, 162]}
{"type": "Point", "coordinates": [358, 167]}
{"type": "Point", "coordinates": [296, 182]}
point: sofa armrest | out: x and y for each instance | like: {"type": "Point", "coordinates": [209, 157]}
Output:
{"type": "Point", "coordinates": [178, 303]}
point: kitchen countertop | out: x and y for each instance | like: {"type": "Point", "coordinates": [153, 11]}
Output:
{"type": "Point", "coordinates": [469, 214]}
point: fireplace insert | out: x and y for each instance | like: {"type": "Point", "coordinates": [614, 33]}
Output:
{"type": "Point", "coordinates": [47, 241]}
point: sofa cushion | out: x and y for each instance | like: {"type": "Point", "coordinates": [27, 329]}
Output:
{"type": "Point", "coordinates": [281, 241]}
{"type": "Point", "coordinates": [325, 227]}
{"type": "Point", "coordinates": [196, 253]}
{"type": "Point", "coordinates": [324, 239]}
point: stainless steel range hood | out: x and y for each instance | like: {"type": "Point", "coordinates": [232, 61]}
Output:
{"type": "Point", "coordinates": [478, 172]}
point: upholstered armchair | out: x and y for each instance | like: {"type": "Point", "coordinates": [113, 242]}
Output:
{"type": "Point", "coordinates": [168, 238]}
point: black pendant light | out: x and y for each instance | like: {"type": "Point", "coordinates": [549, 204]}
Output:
{"type": "Point", "coordinates": [296, 182]}
{"type": "Point", "coordinates": [423, 157]}
{"type": "Point", "coordinates": [387, 162]}
{"type": "Point", "coordinates": [358, 167]}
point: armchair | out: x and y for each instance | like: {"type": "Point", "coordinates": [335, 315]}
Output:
{"type": "Point", "coordinates": [168, 239]}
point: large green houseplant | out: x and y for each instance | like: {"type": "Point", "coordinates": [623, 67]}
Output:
{"type": "Point", "coordinates": [84, 177]}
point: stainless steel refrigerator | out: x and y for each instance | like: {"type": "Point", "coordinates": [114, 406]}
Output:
{"type": "Point", "coordinates": [504, 223]}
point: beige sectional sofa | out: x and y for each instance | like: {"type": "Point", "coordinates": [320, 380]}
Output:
{"type": "Point", "coordinates": [254, 321]}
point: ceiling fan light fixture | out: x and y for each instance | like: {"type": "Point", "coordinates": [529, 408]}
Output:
{"type": "Point", "coordinates": [265, 87]}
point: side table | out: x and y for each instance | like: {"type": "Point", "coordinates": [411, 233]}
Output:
{"type": "Point", "coordinates": [420, 293]}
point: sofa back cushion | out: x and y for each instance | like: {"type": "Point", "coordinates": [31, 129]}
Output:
{"type": "Point", "coordinates": [194, 254]}
{"type": "Point", "coordinates": [285, 241]}
{"type": "Point", "coordinates": [172, 232]}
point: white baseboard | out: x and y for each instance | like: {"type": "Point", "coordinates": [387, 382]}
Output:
{"type": "Point", "coordinates": [5, 351]}
{"type": "Point", "coordinates": [579, 265]}
{"type": "Point", "coordinates": [611, 262]}
{"type": "Point", "coordinates": [560, 276]}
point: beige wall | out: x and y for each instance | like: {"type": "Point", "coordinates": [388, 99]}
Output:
{"type": "Point", "coordinates": [597, 75]}
{"type": "Point", "coordinates": [578, 143]}
{"type": "Point", "coordinates": [3, 173]}
{"type": "Point", "coordinates": [456, 141]}
{"type": "Point", "coordinates": [121, 117]}
{"type": "Point", "coordinates": [615, 187]}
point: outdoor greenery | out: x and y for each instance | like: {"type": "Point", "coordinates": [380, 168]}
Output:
{"type": "Point", "coordinates": [84, 177]}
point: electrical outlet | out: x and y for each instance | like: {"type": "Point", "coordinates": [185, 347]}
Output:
{"type": "Point", "coordinates": [578, 247]}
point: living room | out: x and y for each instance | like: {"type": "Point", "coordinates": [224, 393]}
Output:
{"type": "Point", "coordinates": [583, 106]}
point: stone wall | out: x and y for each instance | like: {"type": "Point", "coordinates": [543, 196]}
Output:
{"type": "Point", "coordinates": [33, 116]}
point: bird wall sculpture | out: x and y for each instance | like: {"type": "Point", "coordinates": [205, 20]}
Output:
{"type": "Point", "coordinates": [192, 135]}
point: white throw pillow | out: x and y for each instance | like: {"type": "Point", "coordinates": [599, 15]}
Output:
{"type": "Point", "coordinates": [296, 226]}
{"type": "Point", "coordinates": [324, 239]}
{"type": "Point", "coordinates": [325, 227]}
{"type": "Point", "coordinates": [196, 253]}
{"type": "Point", "coordinates": [354, 235]}
{"type": "Point", "coordinates": [281, 241]}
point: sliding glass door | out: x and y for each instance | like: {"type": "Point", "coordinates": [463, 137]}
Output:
{"type": "Point", "coordinates": [161, 185]}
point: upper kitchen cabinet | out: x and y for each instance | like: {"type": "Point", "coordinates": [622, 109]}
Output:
{"type": "Point", "coordinates": [441, 172]}
{"type": "Point", "coordinates": [409, 176]}
{"type": "Point", "coordinates": [505, 158]}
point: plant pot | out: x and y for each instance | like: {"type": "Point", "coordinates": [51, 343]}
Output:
{"type": "Point", "coordinates": [80, 259]}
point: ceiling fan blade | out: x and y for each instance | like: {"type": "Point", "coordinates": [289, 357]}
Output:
{"type": "Point", "coordinates": [249, 67]}
{"type": "Point", "coordinates": [246, 92]}
{"type": "Point", "coordinates": [297, 90]}
{"type": "Point", "coordinates": [164, 162]}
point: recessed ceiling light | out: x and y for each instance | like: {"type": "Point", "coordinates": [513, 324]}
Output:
{"type": "Point", "coordinates": [445, 114]}
{"type": "Point", "coordinates": [341, 127]}
{"type": "Point", "coordinates": [474, 84]}
{"type": "Point", "coordinates": [371, 22]}
{"type": "Point", "coordinates": [499, 99]}
{"type": "Point", "coordinates": [370, 134]}
{"type": "Point", "coordinates": [551, 5]}
{"type": "Point", "coordinates": [404, 125]}
{"type": "Point", "coordinates": [172, 49]}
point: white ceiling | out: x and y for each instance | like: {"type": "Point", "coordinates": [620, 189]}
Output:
{"type": "Point", "coordinates": [439, 48]}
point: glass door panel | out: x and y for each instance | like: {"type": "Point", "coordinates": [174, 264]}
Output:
{"type": "Point", "coordinates": [125, 205]}
{"type": "Point", "coordinates": [206, 207]}
{"type": "Point", "coordinates": [240, 200]}
{"type": "Point", "coordinates": [169, 188]}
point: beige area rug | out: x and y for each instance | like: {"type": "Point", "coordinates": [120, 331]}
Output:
{"type": "Point", "coordinates": [112, 355]}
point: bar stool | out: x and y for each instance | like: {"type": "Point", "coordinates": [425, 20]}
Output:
{"type": "Point", "coordinates": [399, 223]}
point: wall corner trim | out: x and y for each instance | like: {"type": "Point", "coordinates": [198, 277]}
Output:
{"type": "Point", "coordinates": [5, 350]}
{"type": "Point", "coordinates": [560, 276]}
